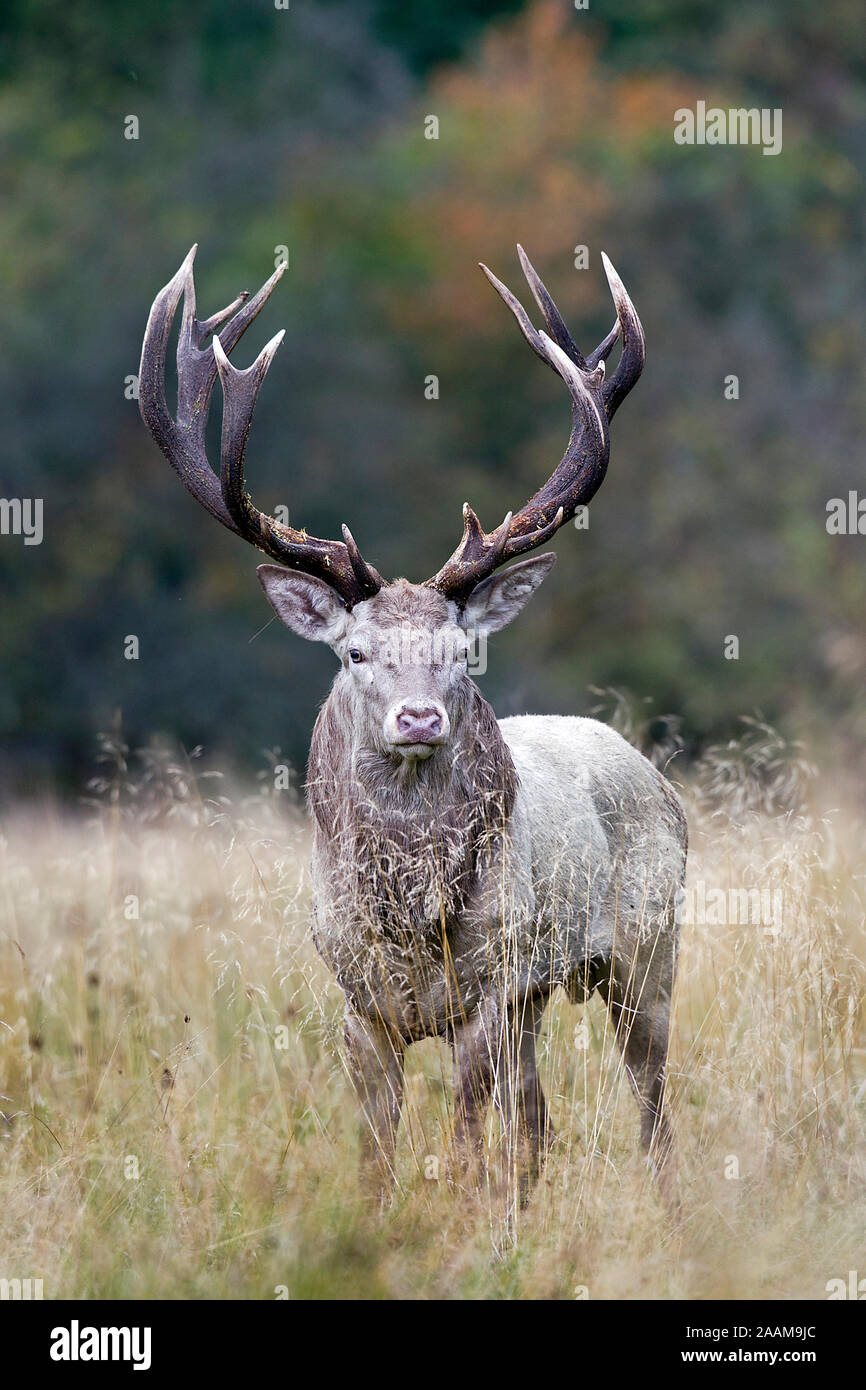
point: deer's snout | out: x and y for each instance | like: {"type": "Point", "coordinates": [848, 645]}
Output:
{"type": "Point", "coordinates": [415, 728]}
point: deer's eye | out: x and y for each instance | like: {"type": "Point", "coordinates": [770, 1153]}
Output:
{"type": "Point", "coordinates": [355, 655]}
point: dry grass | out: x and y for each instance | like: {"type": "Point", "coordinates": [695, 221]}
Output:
{"type": "Point", "coordinates": [162, 1138]}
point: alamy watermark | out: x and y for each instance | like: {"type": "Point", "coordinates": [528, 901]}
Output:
{"type": "Point", "coordinates": [851, 1288]}
{"type": "Point", "coordinates": [736, 126]}
{"type": "Point", "coordinates": [22, 516]}
{"type": "Point", "coordinates": [77, 1343]}
{"type": "Point", "coordinates": [404, 645]}
{"type": "Point", "coordinates": [17, 1290]}
{"type": "Point", "coordinates": [703, 906]}
{"type": "Point", "coordinates": [846, 516]}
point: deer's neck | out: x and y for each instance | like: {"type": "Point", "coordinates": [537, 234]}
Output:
{"type": "Point", "coordinates": [411, 831]}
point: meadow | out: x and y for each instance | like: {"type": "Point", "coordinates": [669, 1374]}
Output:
{"type": "Point", "coordinates": [177, 1121]}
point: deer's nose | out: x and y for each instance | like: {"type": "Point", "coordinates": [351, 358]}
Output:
{"type": "Point", "coordinates": [416, 722]}
{"type": "Point", "coordinates": [420, 725]}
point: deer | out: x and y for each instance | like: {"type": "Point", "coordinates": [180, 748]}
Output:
{"type": "Point", "coordinates": [463, 868]}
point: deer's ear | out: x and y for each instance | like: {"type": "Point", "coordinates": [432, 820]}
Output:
{"type": "Point", "coordinates": [305, 604]}
{"type": "Point", "coordinates": [500, 598]}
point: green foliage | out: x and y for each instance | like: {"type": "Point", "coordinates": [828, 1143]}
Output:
{"type": "Point", "coordinates": [305, 128]}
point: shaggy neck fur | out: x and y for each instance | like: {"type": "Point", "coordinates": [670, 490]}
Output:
{"type": "Point", "coordinates": [405, 837]}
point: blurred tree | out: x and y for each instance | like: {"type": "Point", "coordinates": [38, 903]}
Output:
{"type": "Point", "coordinates": [306, 128]}
{"type": "Point", "coordinates": [712, 519]}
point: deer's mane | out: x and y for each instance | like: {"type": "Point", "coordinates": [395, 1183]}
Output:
{"type": "Point", "coordinates": [405, 839]}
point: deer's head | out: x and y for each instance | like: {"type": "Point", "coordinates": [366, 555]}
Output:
{"type": "Point", "coordinates": [402, 646]}
{"type": "Point", "coordinates": [404, 651]}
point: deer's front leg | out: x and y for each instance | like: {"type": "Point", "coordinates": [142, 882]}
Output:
{"type": "Point", "coordinates": [519, 1096]}
{"type": "Point", "coordinates": [476, 1045]}
{"type": "Point", "coordinates": [375, 1061]}
{"type": "Point", "coordinates": [494, 1055]}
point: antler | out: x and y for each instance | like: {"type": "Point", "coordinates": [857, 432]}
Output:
{"type": "Point", "coordinates": [581, 472]}
{"type": "Point", "coordinates": [182, 440]}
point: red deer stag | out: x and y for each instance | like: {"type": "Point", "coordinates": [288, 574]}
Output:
{"type": "Point", "coordinates": [463, 867]}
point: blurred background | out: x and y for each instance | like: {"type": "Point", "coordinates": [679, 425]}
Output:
{"type": "Point", "coordinates": [304, 127]}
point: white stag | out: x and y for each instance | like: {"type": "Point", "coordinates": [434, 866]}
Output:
{"type": "Point", "coordinates": [463, 867]}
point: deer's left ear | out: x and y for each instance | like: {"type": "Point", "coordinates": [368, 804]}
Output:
{"type": "Point", "coordinates": [500, 598]}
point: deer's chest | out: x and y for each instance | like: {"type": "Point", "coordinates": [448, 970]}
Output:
{"type": "Point", "coordinates": [399, 935]}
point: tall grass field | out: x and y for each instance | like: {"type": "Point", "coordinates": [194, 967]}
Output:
{"type": "Point", "coordinates": [177, 1121]}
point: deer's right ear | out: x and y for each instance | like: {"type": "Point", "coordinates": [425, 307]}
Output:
{"type": "Point", "coordinates": [305, 604]}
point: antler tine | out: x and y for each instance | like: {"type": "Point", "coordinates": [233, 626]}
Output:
{"type": "Point", "coordinates": [583, 466]}
{"type": "Point", "coordinates": [604, 349]}
{"type": "Point", "coordinates": [182, 440]}
{"type": "Point", "coordinates": [181, 450]}
{"type": "Point", "coordinates": [477, 556]}
{"type": "Point", "coordinates": [524, 322]}
{"type": "Point", "coordinates": [367, 576]}
{"type": "Point", "coordinates": [197, 369]}
{"type": "Point", "coordinates": [240, 392]}
{"type": "Point", "coordinates": [552, 317]}
{"type": "Point", "coordinates": [581, 470]}
{"type": "Point", "coordinates": [631, 363]}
